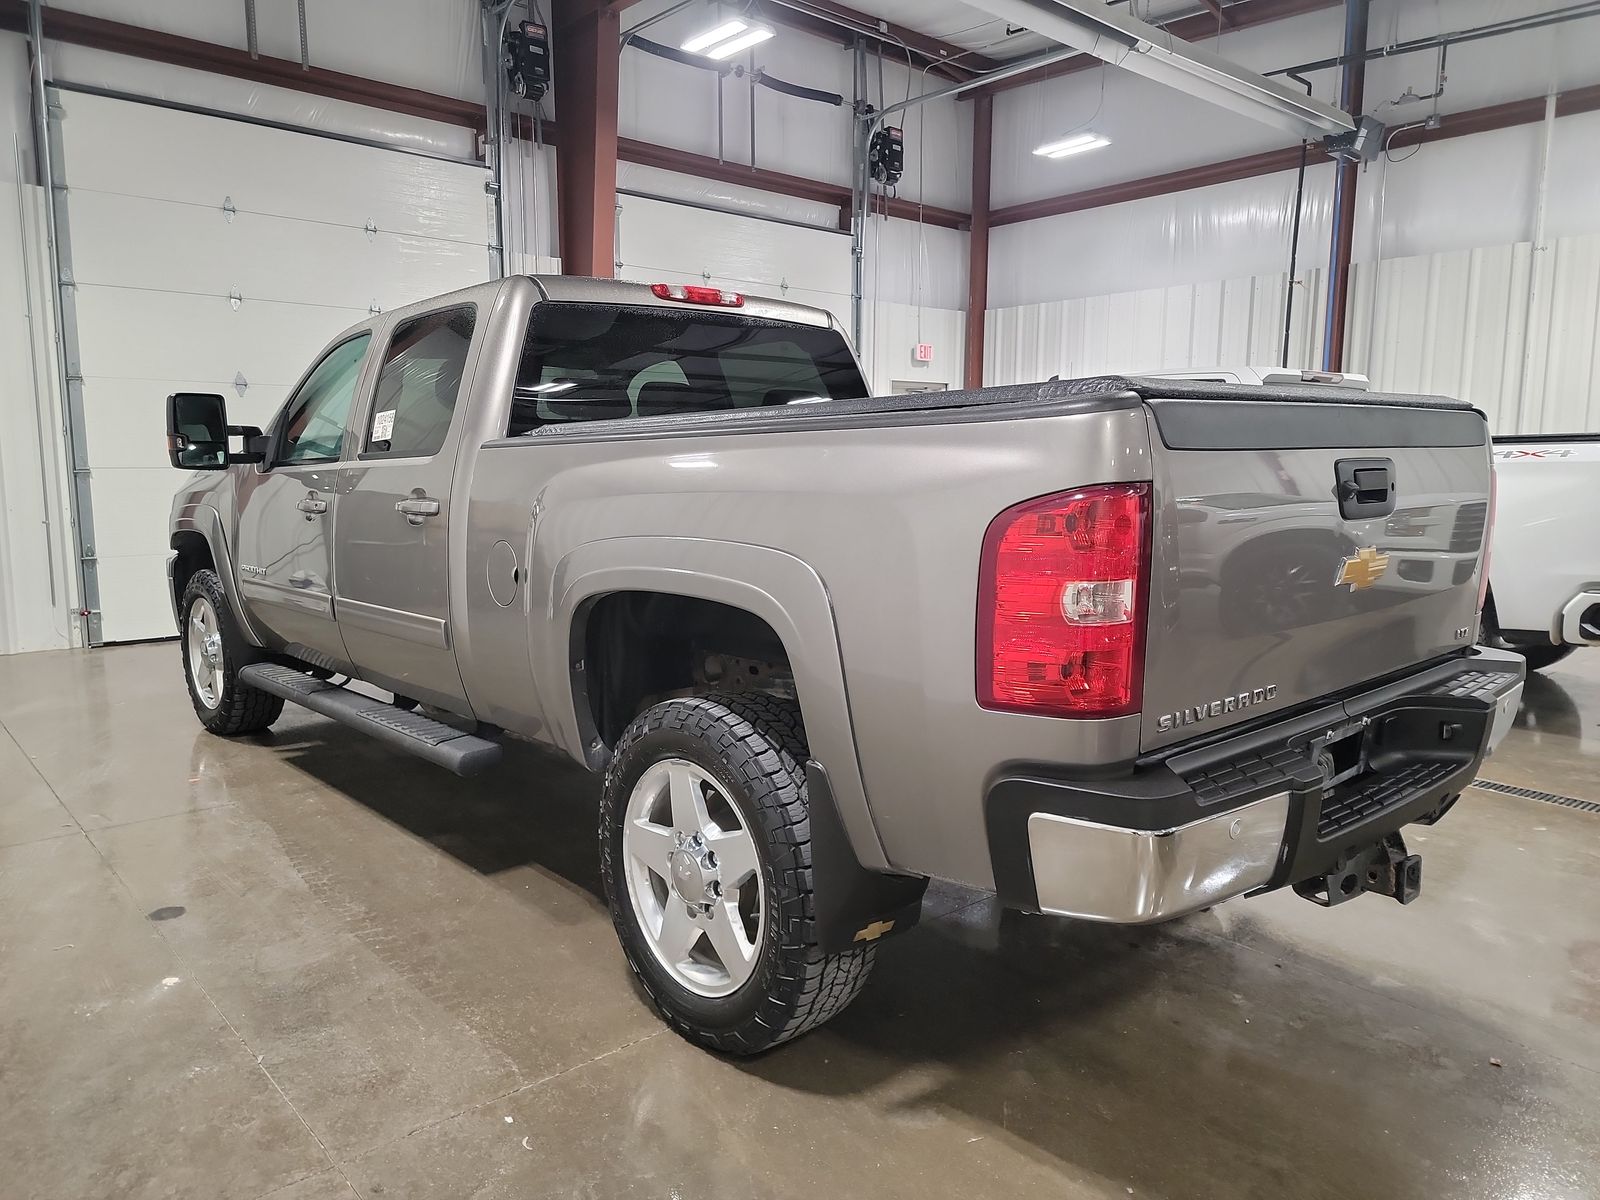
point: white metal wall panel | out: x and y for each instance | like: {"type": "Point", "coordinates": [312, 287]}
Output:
{"type": "Point", "coordinates": [175, 293]}
{"type": "Point", "coordinates": [891, 333]}
{"type": "Point", "coordinates": [662, 242]}
{"type": "Point", "coordinates": [36, 571]}
{"type": "Point", "coordinates": [1463, 323]}
{"type": "Point", "coordinates": [1231, 322]}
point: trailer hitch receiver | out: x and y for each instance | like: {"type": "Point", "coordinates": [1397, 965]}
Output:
{"type": "Point", "coordinates": [1385, 869]}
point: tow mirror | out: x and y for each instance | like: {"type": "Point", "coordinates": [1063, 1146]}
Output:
{"type": "Point", "coordinates": [198, 431]}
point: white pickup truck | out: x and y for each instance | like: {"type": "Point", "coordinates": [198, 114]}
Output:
{"type": "Point", "coordinates": [1544, 565]}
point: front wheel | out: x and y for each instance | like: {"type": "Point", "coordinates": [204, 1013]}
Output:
{"type": "Point", "coordinates": [1538, 657]}
{"type": "Point", "coordinates": [213, 652]}
{"type": "Point", "coordinates": [705, 850]}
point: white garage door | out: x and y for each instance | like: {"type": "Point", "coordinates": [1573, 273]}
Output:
{"type": "Point", "coordinates": [665, 242]}
{"type": "Point", "coordinates": [217, 255]}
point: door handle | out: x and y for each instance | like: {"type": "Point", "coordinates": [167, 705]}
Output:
{"type": "Point", "coordinates": [417, 508]}
{"type": "Point", "coordinates": [312, 505]}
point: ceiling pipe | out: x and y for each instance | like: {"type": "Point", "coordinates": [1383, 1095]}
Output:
{"type": "Point", "coordinates": [1122, 40]}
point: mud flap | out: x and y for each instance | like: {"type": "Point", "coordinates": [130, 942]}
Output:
{"type": "Point", "coordinates": [854, 905]}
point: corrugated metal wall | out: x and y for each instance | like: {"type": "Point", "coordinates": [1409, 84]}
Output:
{"type": "Point", "coordinates": [1229, 322]}
{"type": "Point", "coordinates": [1463, 323]}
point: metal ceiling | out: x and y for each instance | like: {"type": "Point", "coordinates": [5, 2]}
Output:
{"type": "Point", "coordinates": [971, 27]}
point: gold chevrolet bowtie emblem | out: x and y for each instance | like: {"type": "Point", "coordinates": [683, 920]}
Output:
{"type": "Point", "coordinates": [873, 932]}
{"type": "Point", "coordinates": [1362, 569]}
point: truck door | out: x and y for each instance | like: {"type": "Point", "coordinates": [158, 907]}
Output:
{"type": "Point", "coordinates": [392, 538]}
{"type": "Point", "coordinates": [287, 510]}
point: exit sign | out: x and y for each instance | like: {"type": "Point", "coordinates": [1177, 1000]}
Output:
{"type": "Point", "coordinates": [923, 352]}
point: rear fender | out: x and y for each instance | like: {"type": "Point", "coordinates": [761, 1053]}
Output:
{"type": "Point", "coordinates": [779, 588]}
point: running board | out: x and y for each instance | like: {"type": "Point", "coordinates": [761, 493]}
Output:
{"type": "Point", "coordinates": [444, 745]}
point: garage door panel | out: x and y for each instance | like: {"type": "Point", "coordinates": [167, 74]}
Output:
{"type": "Point", "coordinates": [181, 248]}
{"type": "Point", "coordinates": [133, 597]}
{"type": "Point", "coordinates": [662, 242]}
{"type": "Point", "coordinates": [191, 158]}
{"type": "Point", "coordinates": [155, 259]}
{"type": "Point", "coordinates": [140, 334]}
{"type": "Point", "coordinates": [129, 416]}
{"type": "Point", "coordinates": [131, 506]}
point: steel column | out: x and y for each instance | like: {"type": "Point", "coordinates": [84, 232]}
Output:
{"type": "Point", "coordinates": [1352, 90]}
{"type": "Point", "coordinates": [586, 70]}
{"type": "Point", "coordinates": [978, 239]}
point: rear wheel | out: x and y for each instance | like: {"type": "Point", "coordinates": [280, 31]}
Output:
{"type": "Point", "coordinates": [213, 652]}
{"type": "Point", "coordinates": [705, 849]}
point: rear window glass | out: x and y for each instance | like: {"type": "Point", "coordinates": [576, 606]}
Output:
{"type": "Point", "coordinates": [593, 362]}
{"type": "Point", "coordinates": [419, 384]}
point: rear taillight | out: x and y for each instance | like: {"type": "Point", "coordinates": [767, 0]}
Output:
{"type": "Point", "coordinates": [691, 293]}
{"type": "Point", "coordinates": [1062, 591]}
{"type": "Point", "coordinates": [1488, 544]}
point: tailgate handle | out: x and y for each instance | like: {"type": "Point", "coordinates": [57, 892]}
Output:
{"type": "Point", "coordinates": [1365, 487]}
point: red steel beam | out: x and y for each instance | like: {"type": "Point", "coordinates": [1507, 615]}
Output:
{"type": "Point", "coordinates": [78, 29]}
{"type": "Point", "coordinates": [684, 163]}
{"type": "Point", "coordinates": [1218, 11]}
{"type": "Point", "coordinates": [1352, 95]}
{"type": "Point", "coordinates": [1244, 15]}
{"type": "Point", "coordinates": [97, 33]}
{"type": "Point", "coordinates": [978, 241]}
{"type": "Point", "coordinates": [584, 50]}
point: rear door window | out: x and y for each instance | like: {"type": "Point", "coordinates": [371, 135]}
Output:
{"type": "Point", "coordinates": [419, 383]}
{"type": "Point", "coordinates": [593, 362]}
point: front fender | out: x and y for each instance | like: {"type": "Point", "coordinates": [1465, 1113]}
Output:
{"type": "Point", "coordinates": [207, 522]}
{"type": "Point", "coordinates": [779, 588]}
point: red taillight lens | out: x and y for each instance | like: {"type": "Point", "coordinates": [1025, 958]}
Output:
{"type": "Point", "coordinates": [1062, 591]}
{"type": "Point", "coordinates": [689, 293]}
{"type": "Point", "coordinates": [1488, 545]}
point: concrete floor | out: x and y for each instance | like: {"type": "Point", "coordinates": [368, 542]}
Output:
{"type": "Point", "coordinates": [300, 967]}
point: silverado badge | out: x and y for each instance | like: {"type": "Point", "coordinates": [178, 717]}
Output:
{"type": "Point", "coordinates": [1362, 569]}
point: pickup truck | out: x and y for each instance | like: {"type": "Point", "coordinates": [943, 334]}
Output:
{"type": "Point", "coordinates": [1544, 576]}
{"type": "Point", "coordinates": [1117, 649]}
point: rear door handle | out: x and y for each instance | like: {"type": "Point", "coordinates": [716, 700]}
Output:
{"type": "Point", "coordinates": [312, 504]}
{"type": "Point", "coordinates": [417, 508]}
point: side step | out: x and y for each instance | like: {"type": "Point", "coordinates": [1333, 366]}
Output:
{"type": "Point", "coordinates": [444, 745]}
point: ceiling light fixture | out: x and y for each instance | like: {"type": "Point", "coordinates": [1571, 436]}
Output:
{"type": "Point", "coordinates": [750, 37]}
{"type": "Point", "coordinates": [1076, 144]}
{"type": "Point", "coordinates": [727, 39]}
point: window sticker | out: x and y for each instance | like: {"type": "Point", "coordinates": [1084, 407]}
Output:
{"type": "Point", "coordinates": [383, 426]}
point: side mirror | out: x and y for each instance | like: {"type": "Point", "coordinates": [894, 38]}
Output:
{"type": "Point", "coordinates": [198, 430]}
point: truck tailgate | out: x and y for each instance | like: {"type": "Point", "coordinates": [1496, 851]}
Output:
{"type": "Point", "coordinates": [1304, 544]}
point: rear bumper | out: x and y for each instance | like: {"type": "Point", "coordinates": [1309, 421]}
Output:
{"type": "Point", "coordinates": [1252, 812]}
{"type": "Point", "coordinates": [1577, 621]}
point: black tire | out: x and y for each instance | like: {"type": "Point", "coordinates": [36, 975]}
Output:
{"type": "Point", "coordinates": [1540, 657]}
{"type": "Point", "coordinates": [237, 708]}
{"type": "Point", "coordinates": [754, 748]}
{"type": "Point", "coordinates": [1537, 657]}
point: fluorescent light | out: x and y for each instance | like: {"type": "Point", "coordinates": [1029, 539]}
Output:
{"type": "Point", "coordinates": [1076, 144]}
{"type": "Point", "coordinates": [756, 33]}
{"type": "Point", "coordinates": [702, 41]}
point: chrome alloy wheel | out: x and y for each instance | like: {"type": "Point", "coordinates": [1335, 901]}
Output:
{"type": "Point", "coordinates": [205, 652]}
{"type": "Point", "coordinates": [694, 878]}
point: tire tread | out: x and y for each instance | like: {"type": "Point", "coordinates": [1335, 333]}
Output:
{"type": "Point", "coordinates": [762, 740]}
